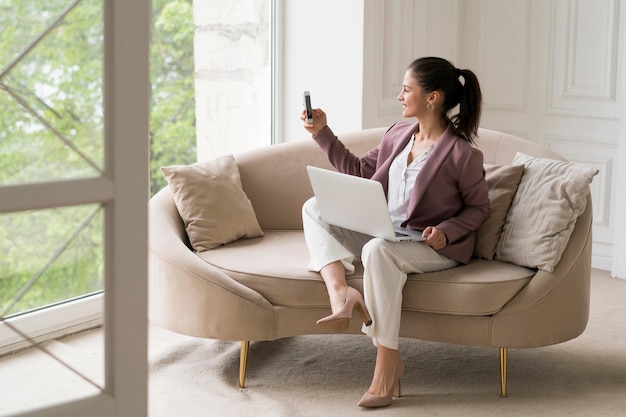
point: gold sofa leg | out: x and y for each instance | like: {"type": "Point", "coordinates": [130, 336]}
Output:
{"type": "Point", "coordinates": [504, 353]}
{"type": "Point", "coordinates": [243, 362]}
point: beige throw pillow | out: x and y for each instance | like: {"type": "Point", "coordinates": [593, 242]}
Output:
{"type": "Point", "coordinates": [211, 201]}
{"type": "Point", "coordinates": [502, 181]}
{"type": "Point", "coordinates": [550, 197]}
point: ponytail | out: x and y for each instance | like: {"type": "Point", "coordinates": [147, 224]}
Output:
{"type": "Point", "coordinates": [466, 121]}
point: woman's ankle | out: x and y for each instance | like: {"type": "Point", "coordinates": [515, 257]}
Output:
{"type": "Point", "coordinates": [387, 360]}
{"type": "Point", "coordinates": [337, 295]}
{"type": "Point", "coordinates": [334, 276]}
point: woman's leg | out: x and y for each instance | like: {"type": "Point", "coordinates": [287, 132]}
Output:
{"type": "Point", "coordinates": [332, 250]}
{"type": "Point", "coordinates": [387, 362]}
{"type": "Point", "coordinates": [334, 276]}
{"type": "Point", "coordinates": [386, 267]}
{"type": "Point", "coordinates": [386, 381]}
{"type": "Point", "coordinates": [325, 242]}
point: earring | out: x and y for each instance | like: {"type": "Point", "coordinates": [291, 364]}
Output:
{"type": "Point", "coordinates": [430, 107]}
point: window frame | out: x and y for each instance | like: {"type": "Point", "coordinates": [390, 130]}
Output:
{"type": "Point", "coordinates": [123, 191]}
{"type": "Point", "coordinates": [52, 322]}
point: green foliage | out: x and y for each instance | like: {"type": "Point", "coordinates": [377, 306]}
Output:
{"type": "Point", "coordinates": [61, 80]}
{"type": "Point", "coordinates": [75, 271]}
{"type": "Point", "coordinates": [36, 250]}
{"type": "Point", "coordinates": [172, 116]}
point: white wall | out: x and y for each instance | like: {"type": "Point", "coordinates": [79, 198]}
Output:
{"type": "Point", "coordinates": [550, 72]}
{"type": "Point", "coordinates": [323, 53]}
{"type": "Point", "coordinates": [396, 33]}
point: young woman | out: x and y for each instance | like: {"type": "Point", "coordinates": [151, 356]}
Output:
{"type": "Point", "coordinates": [434, 181]}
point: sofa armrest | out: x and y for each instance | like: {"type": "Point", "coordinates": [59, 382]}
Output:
{"type": "Point", "coordinates": [552, 306]}
{"type": "Point", "coordinates": [185, 291]}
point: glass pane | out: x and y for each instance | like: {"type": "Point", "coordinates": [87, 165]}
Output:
{"type": "Point", "coordinates": [50, 256]}
{"type": "Point", "coordinates": [22, 21]}
{"type": "Point", "coordinates": [173, 104]}
{"type": "Point", "coordinates": [51, 107]}
{"type": "Point", "coordinates": [237, 108]}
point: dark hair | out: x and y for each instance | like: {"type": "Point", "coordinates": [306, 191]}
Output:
{"type": "Point", "coordinates": [438, 74]}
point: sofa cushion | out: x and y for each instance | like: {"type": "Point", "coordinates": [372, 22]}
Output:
{"type": "Point", "coordinates": [550, 197]}
{"type": "Point", "coordinates": [502, 182]}
{"type": "Point", "coordinates": [212, 203]}
{"type": "Point", "coordinates": [275, 265]}
{"type": "Point", "coordinates": [479, 288]}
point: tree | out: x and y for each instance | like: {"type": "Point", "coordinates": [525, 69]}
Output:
{"type": "Point", "coordinates": [172, 117]}
{"type": "Point", "coordinates": [51, 128]}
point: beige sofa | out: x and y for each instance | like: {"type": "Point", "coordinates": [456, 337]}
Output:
{"type": "Point", "coordinates": [259, 288]}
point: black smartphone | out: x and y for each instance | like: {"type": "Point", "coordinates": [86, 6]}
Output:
{"type": "Point", "coordinates": [307, 105]}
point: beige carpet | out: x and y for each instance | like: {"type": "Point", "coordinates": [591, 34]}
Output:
{"type": "Point", "coordinates": [321, 376]}
{"type": "Point", "coordinates": [325, 376]}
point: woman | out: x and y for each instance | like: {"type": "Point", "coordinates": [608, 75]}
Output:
{"type": "Point", "coordinates": [434, 181]}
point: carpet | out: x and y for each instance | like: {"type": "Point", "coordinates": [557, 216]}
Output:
{"type": "Point", "coordinates": [326, 375]}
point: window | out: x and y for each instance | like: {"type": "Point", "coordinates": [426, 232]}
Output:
{"type": "Point", "coordinates": [172, 100]}
{"type": "Point", "coordinates": [51, 130]}
{"type": "Point", "coordinates": [58, 165]}
{"type": "Point", "coordinates": [73, 184]}
{"type": "Point", "coordinates": [236, 58]}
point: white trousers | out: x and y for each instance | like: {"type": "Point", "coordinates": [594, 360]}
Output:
{"type": "Point", "coordinates": [386, 266]}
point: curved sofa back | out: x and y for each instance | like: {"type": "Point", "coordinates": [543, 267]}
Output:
{"type": "Point", "coordinates": [275, 179]}
{"type": "Point", "coordinates": [276, 182]}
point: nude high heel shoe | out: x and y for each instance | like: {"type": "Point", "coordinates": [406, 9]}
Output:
{"type": "Point", "coordinates": [339, 321]}
{"type": "Point", "coordinates": [373, 401]}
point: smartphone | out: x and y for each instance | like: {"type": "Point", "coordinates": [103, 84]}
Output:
{"type": "Point", "coordinates": [307, 105]}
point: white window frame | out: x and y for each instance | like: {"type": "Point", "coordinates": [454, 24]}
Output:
{"type": "Point", "coordinates": [124, 193]}
{"type": "Point", "coordinates": [52, 322]}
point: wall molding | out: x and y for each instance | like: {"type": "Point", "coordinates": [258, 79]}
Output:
{"type": "Point", "coordinates": [584, 37]}
{"type": "Point", "coordinates": [396, 33]}
{"type": "Point", "coordinates": [550, 73]}
{"type": "Point", "coordinates": [504, 54]}
{"type": "Point", "coordinates": [598, 156]}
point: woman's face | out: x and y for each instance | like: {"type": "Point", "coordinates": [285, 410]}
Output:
{"type": "Point", "coordinates": [413, 100]}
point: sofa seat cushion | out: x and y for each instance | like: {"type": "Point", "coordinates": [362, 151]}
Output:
{"type": "Point", "coordinates": [275, 266]}
{"type": "Point", "coordinates": [481, 287]}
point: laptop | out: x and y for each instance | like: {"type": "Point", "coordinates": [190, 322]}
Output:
{"type": "Point", "coordinates": [357, 204]}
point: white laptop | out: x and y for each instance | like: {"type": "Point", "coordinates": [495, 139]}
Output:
{"type": "Point", "coordinates": [357, 204]}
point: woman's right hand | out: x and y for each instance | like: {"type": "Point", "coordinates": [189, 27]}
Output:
{"type": "Point", "coordinates": [319, 121]}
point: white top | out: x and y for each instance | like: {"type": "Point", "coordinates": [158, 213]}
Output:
{"type": "Point", "coordinates": [402, 180]}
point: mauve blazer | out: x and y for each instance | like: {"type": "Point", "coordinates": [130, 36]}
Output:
{"type": "Point", "coordinates": [450, 190]}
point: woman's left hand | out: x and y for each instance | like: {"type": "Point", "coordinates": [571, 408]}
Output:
{"type": "Point", "coordinates": [435, 238]}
